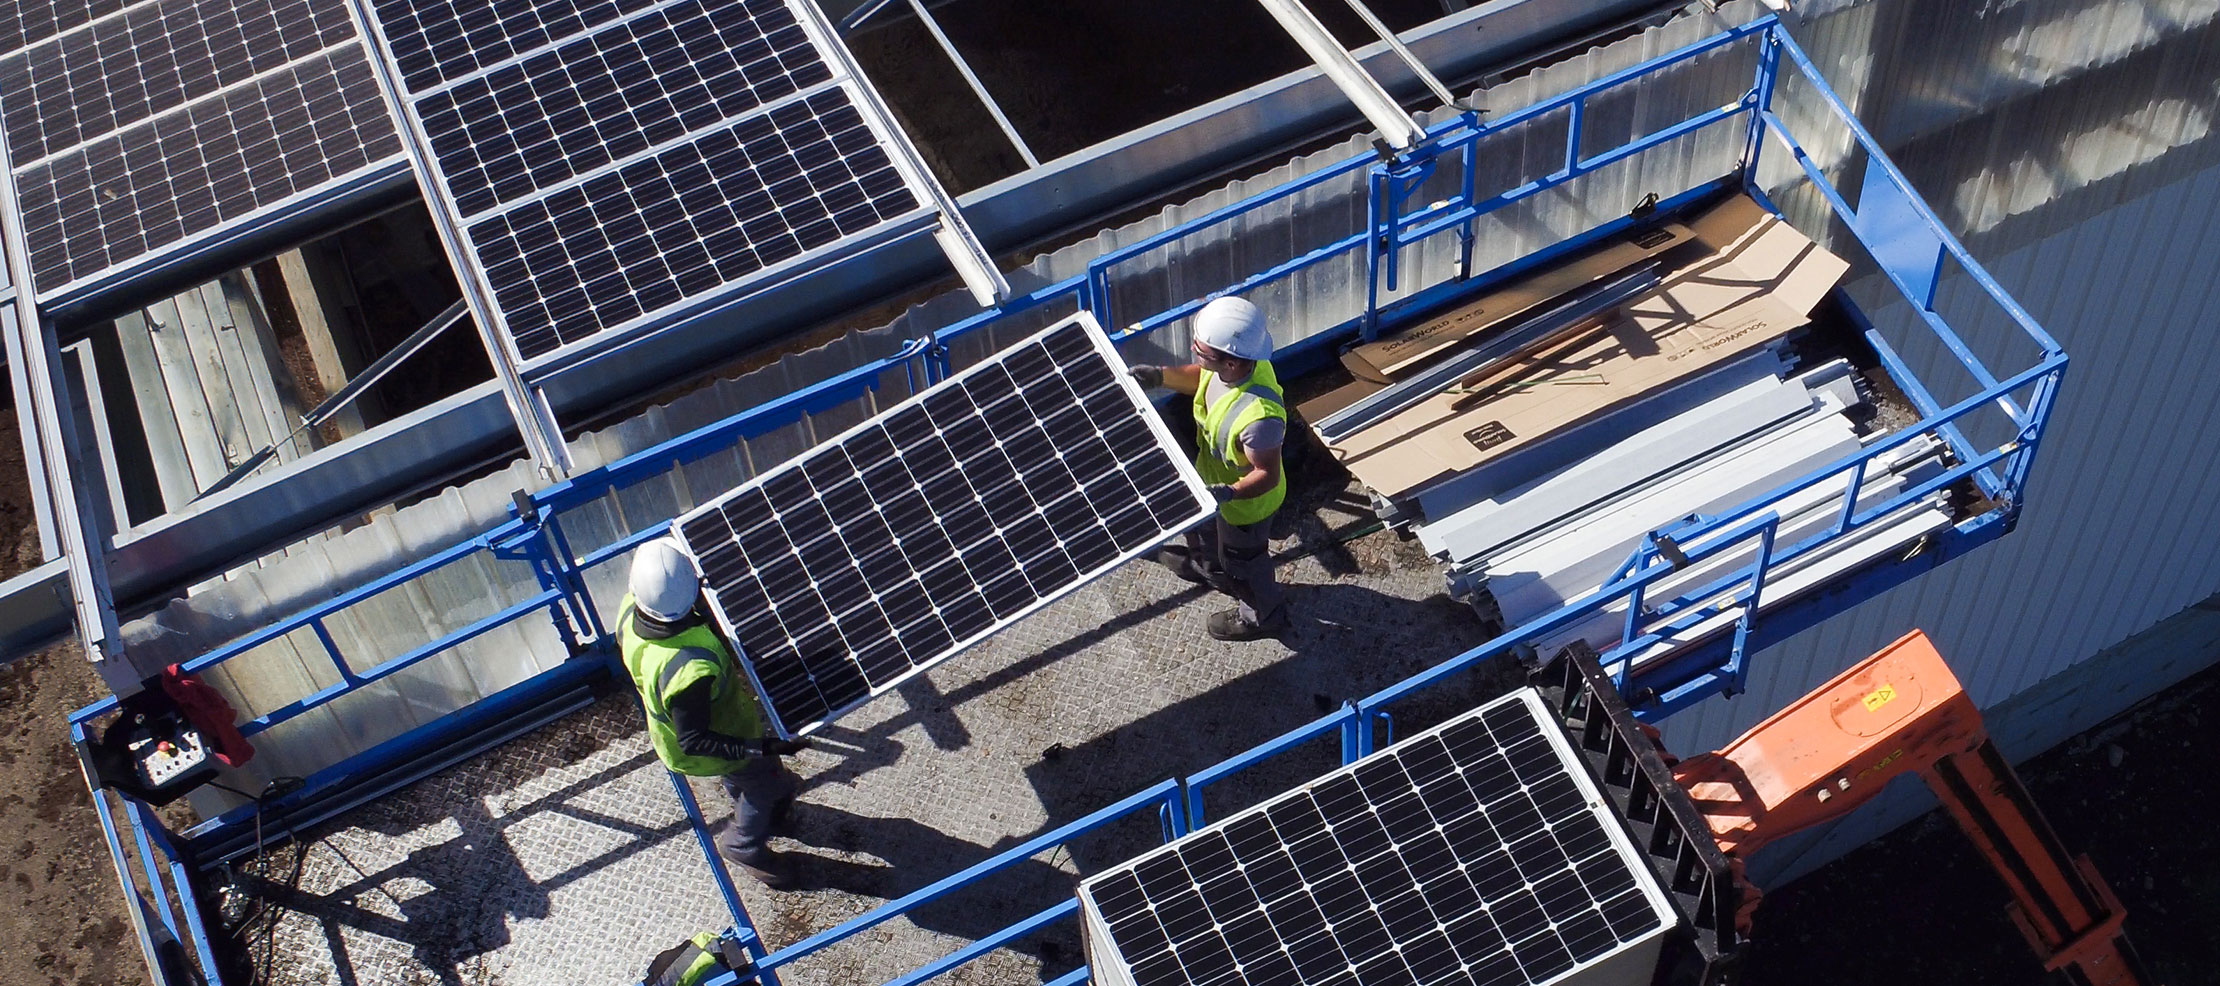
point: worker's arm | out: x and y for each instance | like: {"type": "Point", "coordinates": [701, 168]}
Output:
{"type": "Point", "coordinates": [1185, 379]}
{"type": "Point", "coordinates": [1264, 472]}
{"type": "Point", "coordinates": [690, 718]}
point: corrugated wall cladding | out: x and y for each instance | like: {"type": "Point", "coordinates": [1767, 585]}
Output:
{"type": "Point", "coordinates": [1943, 62]}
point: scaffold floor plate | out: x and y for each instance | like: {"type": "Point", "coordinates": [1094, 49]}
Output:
{"type": "Point", "coordinates": [939, 522]}
{"type": "Point", "coordinates": [561, 858]}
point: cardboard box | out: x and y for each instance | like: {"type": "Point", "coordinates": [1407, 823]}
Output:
{"type": "Point", "coordinates": [1746, 279]}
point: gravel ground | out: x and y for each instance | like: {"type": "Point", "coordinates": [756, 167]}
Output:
{"type": "Point", "coordinates": [64, 922]}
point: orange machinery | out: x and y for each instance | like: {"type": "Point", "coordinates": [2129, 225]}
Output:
{"type": "Point", "coordinates": [1902, 711]}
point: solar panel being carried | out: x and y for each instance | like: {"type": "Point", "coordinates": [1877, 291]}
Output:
{"type": "Point", "coordinates": [137, 131]}
{"type": "Point", "coordinates": [945, 518]}
{"type": "Point", "coordinates": [607, 164]}
{"type": "Point", "coordinates": [1479, 852]}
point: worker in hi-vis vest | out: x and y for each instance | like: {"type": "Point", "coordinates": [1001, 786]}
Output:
{"type": "Point", "coordinates": [701, 712]}
{"type": "Point", "coordinates": [1240, 424]}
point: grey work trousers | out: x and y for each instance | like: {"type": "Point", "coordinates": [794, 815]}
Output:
{"type": "Point", "coordinates": [759, 791]}
{"type": "Point", "coordinates": [1237, 560]}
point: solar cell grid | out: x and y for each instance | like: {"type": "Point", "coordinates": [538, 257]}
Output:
{"type": "Point", "coordinates": [687, 220]}
{"type": "Point", "coordinates": [1471, 854]}
{"type": "Point", "coordinates": [138, 129]}
{"type": "Point", "coordinates": [437, 41]}
{"type": "Point", "coordinates": [674, 70]}
{"type": "Point", "coordinates": [190, 170]}
{"type": "Point", "coordinates": [942, 519]}
{"type": "Point", "coordinates": [608, 164]}
{"type": "Point", "coordinates": [151, 59]}
{"type": "Point", "coordinates": [26, 24]}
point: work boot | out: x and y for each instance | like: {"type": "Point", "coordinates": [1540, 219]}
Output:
{"type": "Point", "coordinates": [768, 868]}
{"type": "Point", "coordinates": [1182, 564]}
{"type": "Point", "coordinates": [782, 817]}
{"type": "Point", "coordinates": [1228, 625]}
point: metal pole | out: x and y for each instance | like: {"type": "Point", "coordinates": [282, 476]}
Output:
{"type": "Point", "coordinates": [1342, 68]}
{"type": "Point", "coordinates": [974, 265]}
{"type": "Point", "coordinates": [1410, 58]}
{"type": "Point", "coordinates": [346, 395]}
{"type": "Point", "coordinates": [978, 88]}
{"type": "Point", "coordinates": [34, 460]}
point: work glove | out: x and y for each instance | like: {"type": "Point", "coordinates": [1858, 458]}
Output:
{"type": "Point", "coordinates": [776, 747]}
{"type": "Point", "coordinates": [1147, 376]}
{"type": "Point", "coordinates": [1222, 493]}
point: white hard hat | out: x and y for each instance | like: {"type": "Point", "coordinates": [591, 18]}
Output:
{"type": "Point", "coordinates": [664, 583]}
{"type": "Point", "coordinates": [1235, 327]}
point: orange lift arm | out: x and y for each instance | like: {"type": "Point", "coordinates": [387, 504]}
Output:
{"type": "Point", "coordinates": [1902, 711]}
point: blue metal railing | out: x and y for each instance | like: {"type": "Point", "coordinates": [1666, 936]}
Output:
{"type": "Point", "coordinates": [535, 534]}
{"type": "Point", "coordinates": [165, 927]}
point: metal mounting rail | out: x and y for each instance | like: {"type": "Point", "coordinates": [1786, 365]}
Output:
{"type": "Point", "coordinates": [1739, 538]}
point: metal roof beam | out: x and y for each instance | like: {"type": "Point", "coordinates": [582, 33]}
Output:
{"type": "Point", "coordinates": [34, 361]}
{"type": "Point", "coordinates": [34, 458]}
{"type": "Point", "coordinates": [1403, 51]}
{"type": "Point", "coordinates": [971, 79]}
{"type": "Point", "coordinates": [974, 265]}
{"type": "Point", "coordinates": [1395, 126]}
{"type": "Point", "coordinates": [528, 404]}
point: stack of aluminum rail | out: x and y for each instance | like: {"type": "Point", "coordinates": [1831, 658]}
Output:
{"type": "Point", "coordinates": [1523, 539]}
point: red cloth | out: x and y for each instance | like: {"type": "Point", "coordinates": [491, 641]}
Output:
{"type": "Point", "coordinates": [206, 708]}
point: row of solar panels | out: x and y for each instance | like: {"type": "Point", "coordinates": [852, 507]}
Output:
{"type": "Point", "coordinates": [602, 166]}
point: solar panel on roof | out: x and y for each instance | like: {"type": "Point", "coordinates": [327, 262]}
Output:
{"type": "Point", "coordinates": [929, 527]}
{"type": "Point", "coordinates": [136, 130]}
{"type": "Point", "coordinates": [1478, 852]}
{"type": "Point", "coordinates": [607, 164]}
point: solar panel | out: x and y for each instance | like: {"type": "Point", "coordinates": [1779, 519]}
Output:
{"type": "Point", "coordinates": [133, 130]}
{"type": "Point", "coordinates": [941, 520]}
{"type": "Point", "coordinates": [608, 164]}
{"type": "Point", "coordinates": [1479, 852]}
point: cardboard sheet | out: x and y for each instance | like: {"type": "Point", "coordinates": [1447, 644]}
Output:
{"type": "Point", "coordinates": [1752, 279]}
{"type": "Point", "coordinates": [1383, 360]}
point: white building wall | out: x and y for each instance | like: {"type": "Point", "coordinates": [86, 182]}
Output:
{"type": "Point", "coordinates": [2094, 202]}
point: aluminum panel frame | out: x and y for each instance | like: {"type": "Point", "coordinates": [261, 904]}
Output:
{"type": "Point", "coordinates": [1206, 508]}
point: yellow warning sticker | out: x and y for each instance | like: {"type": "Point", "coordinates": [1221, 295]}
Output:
{"type": "Point", "coordinates": [1880, 696]}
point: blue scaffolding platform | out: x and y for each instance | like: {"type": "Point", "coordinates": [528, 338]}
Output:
{"type": "Point", "coordinates": [163, 871]}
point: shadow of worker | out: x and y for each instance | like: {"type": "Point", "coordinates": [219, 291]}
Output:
{"type": "Point", "coordinates": [915, 855]}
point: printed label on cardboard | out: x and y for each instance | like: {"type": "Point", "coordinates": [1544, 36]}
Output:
{"type": "Point", "coordinates": [1489, 435]}
{"type": "Point", "coordinates": [1730, 337]}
